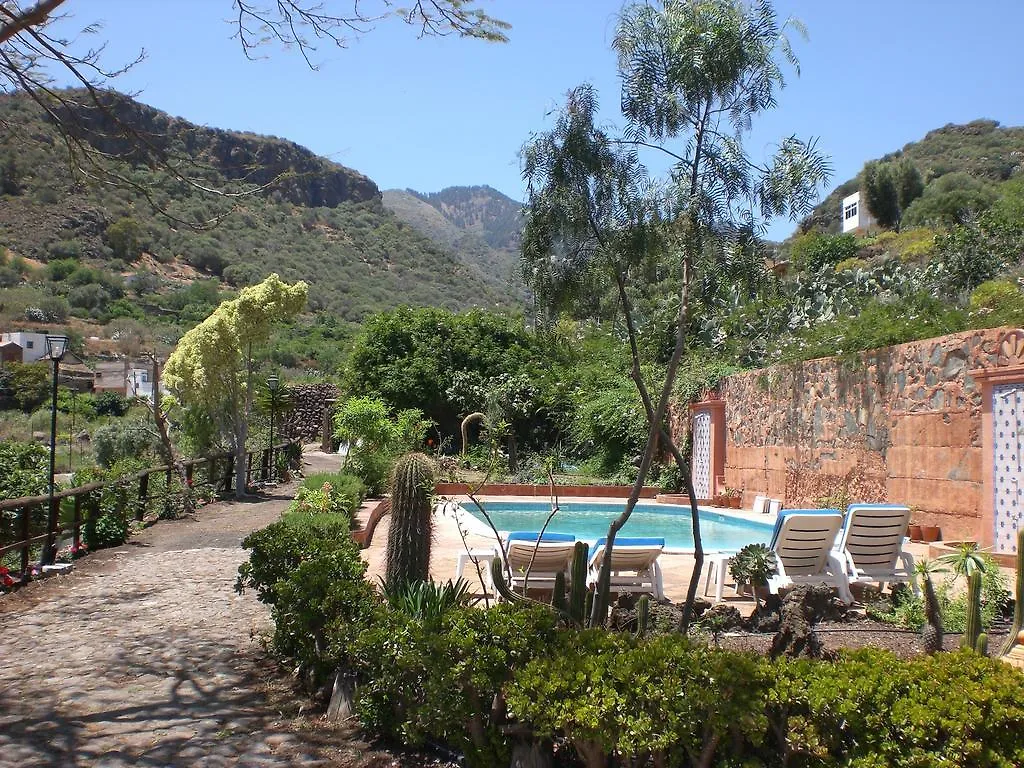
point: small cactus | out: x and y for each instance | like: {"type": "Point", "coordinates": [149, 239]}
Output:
{"type": "Point", "coordinates": [973, 629]}
{"type": "Point", "coordinates": [931, 633]}
{"type": "Point", "coordinates": [981, 644]}
{"type": "Point", "coordinates": [588, 605]}
{"type": "Point", "coordinates": [578, 583]}
{"type": "Point", "coordinates": [411, 530]}
{"type": "Point", "coordinates": [643, 615]}
{"type": "Point", "coordinates": [558, 593]}
{"type": "Point", "coordinates": [1018, 597]}
{"type": "Point", "coordinates": [505, 592]}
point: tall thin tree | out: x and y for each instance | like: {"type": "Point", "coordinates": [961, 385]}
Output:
{"type": "Point", "coordinates": [694, 74]}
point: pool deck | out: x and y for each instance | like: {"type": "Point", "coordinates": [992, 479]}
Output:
{"type": "Point", "coordinates": [454, 533]}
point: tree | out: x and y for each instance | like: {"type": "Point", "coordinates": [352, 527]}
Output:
{"type": "Point", "coordinates": [124, 237]}
{"type": "Point", "coordinates": [890, 188]}
{"type": "Point", "coordinates": [33, 56]}
{"type": "Point", "coordinates": [694, 74]}
{"type": "Point", "coordinates": [210, 371]}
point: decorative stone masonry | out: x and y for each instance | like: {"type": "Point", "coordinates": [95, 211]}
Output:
{"type": "Point", "coordinates": [306, 417]}
{"type": "Point", "coordinates": [900, 424]}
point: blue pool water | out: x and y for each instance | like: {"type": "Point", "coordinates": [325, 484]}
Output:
{"type": "Point", "coordinates": [589, 521]}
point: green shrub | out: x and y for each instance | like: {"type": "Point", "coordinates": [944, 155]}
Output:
{"type": "Point", "coordinates": [111, 404]}
{"type": "Point", "coordinates": [308, 569]}
{"type": "Point", "coordinates": [814, 251]}
{"type": "Point", "coordinates": [417, 684]}
{"type": "Point", "coordinates": [347, 491]}
{"type": "Point", "coordinates": [998, 302]}
{"type": "Point", "coordinates": [121, 440]}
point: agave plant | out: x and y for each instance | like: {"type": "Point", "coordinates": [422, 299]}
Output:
{"type": "Point", "coordinates": [967, 559]}
{"type": "Point", "coordinates": [427, 601]}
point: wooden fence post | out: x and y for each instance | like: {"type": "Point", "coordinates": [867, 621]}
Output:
{"type": "Point", "coordinates": [26, 534]}
{"type": "Point", "coordinates": [143, 497]}
{"type": "Point", "coordinates": [78, 522]}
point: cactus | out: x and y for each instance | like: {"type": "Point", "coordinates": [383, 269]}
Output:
{"type": "Point", "coordinates": [558, 593]}
{"type": "Point", "coordinates": [578, 582]}
{"type": "Point", "coordinates": [588, 604]}
{"type": "Point", "coordinates": [973, 628]}
{"type": "Point", "coordinates": [931, 633]}
{"type": "Point", "coordinates": [411, 529]}
{"type": "Point", "coordinates": [1018, 598]}
{"type": "Point", "coordinates": [643, 615]}
{"type": "Point", "coordinates": [981, 644]}
{"type": "Point", "coordinates": [501, 586]}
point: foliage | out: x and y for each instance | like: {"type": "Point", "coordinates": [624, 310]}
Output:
{"type": "Point", "coordinates": [752, 565]}
{"type": "Point", "coordinates": [27, 384]}
{"type": "Point", "coordinates": [24, 472]}
{"type": "Point", "coordinates": [308, 569]}
{"type": "Point", "coordinates": [890, 188]}
{"type": "Point", "coordinates": [814, 251]}
{"type": "Point", "coordinates": [612, 694]}
{"type": "Point", "coordinates": [952, 199]}
{"type": "Point", "coordinates": [446, 684]}
{"type": "Point", "coordinates": [111, 404]}
{"type": "Point", "coordinates": [375, 436]}
{"type": "Point", "coordinates": [118, 502]}
{"type": "Point", "coordinates": [123, 439]}
{"type": "Point", "coordinates": [208, 372]}
{"type": "Point", "coordinates": [427, 601]}
{"type": "Point", "coordinates": [998, 302]}
{"type": "Point", "coordinates": [334, 492]}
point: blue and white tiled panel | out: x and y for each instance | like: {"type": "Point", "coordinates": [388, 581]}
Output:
{"type": "Point", "coordinates": [702, 454]}
{"type": "Point", "coordinates": [1007, 423]}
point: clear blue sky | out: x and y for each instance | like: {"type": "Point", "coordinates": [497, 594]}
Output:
{"type": "Point", "coordinates": [431, 113]}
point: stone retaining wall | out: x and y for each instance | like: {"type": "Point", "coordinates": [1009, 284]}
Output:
{"type": "Point", "coordinates": [306, 417]}
{"type": "Point", "coordinates": [900, 424]}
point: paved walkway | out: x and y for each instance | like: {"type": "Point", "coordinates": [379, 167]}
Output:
{"type": "Point", "coordinates": [145, 656]}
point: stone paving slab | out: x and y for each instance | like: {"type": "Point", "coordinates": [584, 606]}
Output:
{"type": "Point", "coordinates": [145, 656]}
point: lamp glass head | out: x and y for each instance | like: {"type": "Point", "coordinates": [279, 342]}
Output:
{"type": "Point", "coordinates": [56, 347]}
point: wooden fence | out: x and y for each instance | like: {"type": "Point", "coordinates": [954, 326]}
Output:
{"type": "Point", "coordinates": [37, 520]}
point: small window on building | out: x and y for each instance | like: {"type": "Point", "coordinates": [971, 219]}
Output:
{"type": "Point", "coordinates": [145, 378]}
{"type": "Point", "coordinates": [850, 211]}
{"type": "Point", "coordinates": [29, 344]}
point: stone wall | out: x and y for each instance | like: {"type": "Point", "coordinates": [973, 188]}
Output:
{"type": "Point", "coordinates": [306, 417]}
{"type": "Point", "coordinates": [901, 424]}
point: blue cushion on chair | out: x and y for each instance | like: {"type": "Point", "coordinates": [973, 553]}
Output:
{"type": "Point", "coordinates": [636, 541]}
{"type": "Point", "coordinates": [532, 536]}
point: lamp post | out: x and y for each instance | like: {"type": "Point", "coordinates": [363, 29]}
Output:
{"type": "Point", "coordinates": [272, 384]}
{"type": "Point", "coordinates": [56, 346]}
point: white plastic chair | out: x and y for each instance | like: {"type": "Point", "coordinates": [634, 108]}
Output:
{"type": "Point", "coordinates": [871, 545]}
{"type": "Point", "coordinates": [802, 544]}
{"type": "Point", "coordinates": [634, 565]}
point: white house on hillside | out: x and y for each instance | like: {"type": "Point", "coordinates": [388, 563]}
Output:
{"type": "Point", "coordinates": [855, 213]}
{"type": "Point", "coordinates": [33, 345]}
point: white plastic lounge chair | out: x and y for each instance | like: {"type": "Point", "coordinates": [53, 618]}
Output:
{"type": "Point", "coordinates": [871, 544]}
{"type": "Point", "coordinates": [553, 555]}
{"type": "Point", "coordinates": [634, 565]}
{"type": "Point", "coordinates": [802, 543]}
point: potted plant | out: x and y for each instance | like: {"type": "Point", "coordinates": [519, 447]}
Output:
{"type": "Point", "coordinates": [751, 567]}
{"type": "Point", "coordinates": [733, 497]}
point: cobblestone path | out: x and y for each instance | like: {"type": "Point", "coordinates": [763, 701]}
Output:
{"type": "Point", "coordinates": [145, 656]}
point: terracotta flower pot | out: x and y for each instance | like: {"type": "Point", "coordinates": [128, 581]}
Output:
{"type": "Point", "coordinates": [914, 532]}
{"type": "Point", "coordinates": [734, 502]}
{"type": "Point", "coordinates": [931, 533]}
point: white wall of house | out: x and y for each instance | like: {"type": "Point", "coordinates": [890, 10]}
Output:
{"type": "Point", "coordinates": [139, 383]}
{"type": "Point", "coordinates": [33, 345]}
{"type": "Point", "coordinates": [855, 214]}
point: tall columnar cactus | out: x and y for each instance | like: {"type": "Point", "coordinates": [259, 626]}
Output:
{"type": "Point", "coordinates": [973, 629]}
{"type": "Point", "coordinates": [558, 593]}
{"type": "Point", "coordinates": [411, 530]}
{"type": "Point", "coordinates": [578, 582]}
{"type": "Point", "coordinates": [931, 633]}
{"type": "Point", "coordinates": [981, 644]}
{"type": "Point", "coordinates": [505, 592]}
{"type": "Point", "coordinates": [1018, 597]}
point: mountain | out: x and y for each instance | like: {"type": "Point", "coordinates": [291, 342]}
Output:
{"type": "Point", "coordinates": [303, 216]}
{"type": "Point", "coordinates": [981, 149]}
{"type": "Point", "coordinates": [479, 224]}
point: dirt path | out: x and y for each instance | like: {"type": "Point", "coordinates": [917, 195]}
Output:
{"type": "Point", "coordinates": [145, 656]}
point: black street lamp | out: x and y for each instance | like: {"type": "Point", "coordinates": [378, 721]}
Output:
{"type": "Point", "coordinates": [272, 384]}
{"type": "Point", "coordinates": [56, 347]}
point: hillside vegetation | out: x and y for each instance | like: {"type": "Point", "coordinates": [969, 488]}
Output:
{"type": "Point", "coordinates": [479, 224]}
{"type": "Point", "coordinates": [981, 151]}
{"type": "Point", "coordinates": [103, 252]}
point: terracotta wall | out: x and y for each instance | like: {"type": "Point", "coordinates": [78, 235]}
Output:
{"type": "Point", "coordinates": [901, 424]}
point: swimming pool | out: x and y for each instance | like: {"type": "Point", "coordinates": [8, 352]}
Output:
{"type": "Point", "coordinates": [590, 520]}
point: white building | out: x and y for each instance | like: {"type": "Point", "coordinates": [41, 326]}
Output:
{"type": "Point", "coordinates": [139, 383]}
{"type": "Point", "coordinates": [855, 213]}
{"type": "Point", "coordinates": [33, 345]}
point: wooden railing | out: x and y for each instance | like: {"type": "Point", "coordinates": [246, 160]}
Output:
{"type": "Point", "coordinates": [37, 520]}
